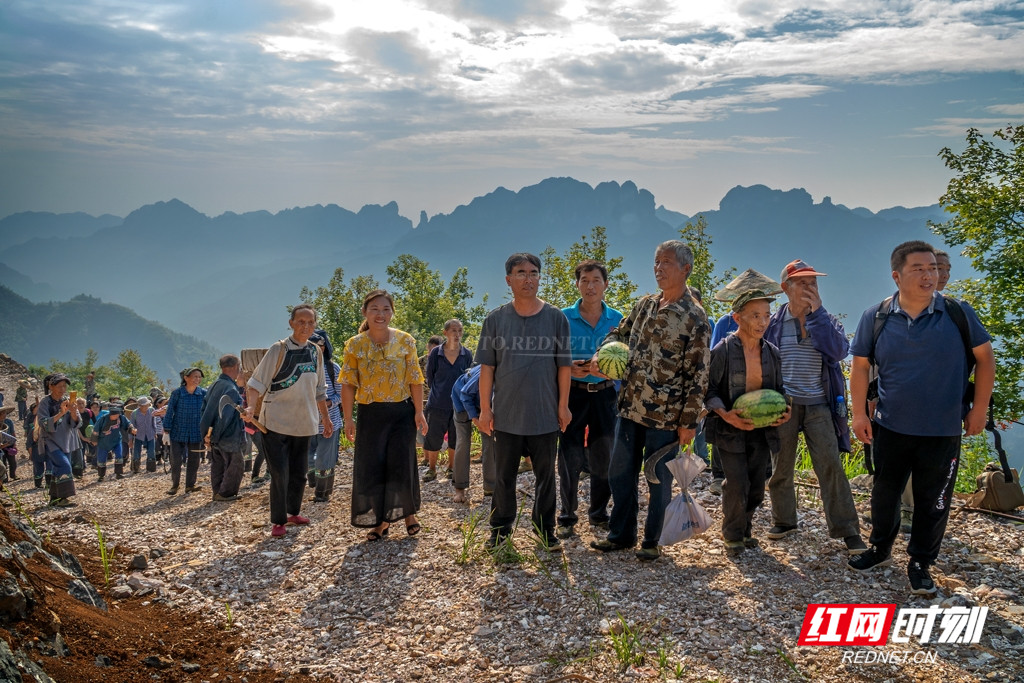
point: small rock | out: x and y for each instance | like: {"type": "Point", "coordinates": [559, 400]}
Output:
{"type": "Point", "coordinates": [121, 592]}
{"type": "Point", "coordinates": [158, 662]}
{"type": "Point", "coordinates": [189, 667]}
{"type": "Point", "coordinates": [138, 562]}
{"type": "Point", "coordinates": [102, 660]}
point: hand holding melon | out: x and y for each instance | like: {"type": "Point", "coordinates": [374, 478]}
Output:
{"type": "Point", "coordinates": [764, 408]}
{"type": "Point", "coordinates": [612, 359]}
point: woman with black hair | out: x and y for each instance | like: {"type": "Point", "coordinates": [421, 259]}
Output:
{"type": "Point", "coordinates": [382, 374]}
{"type": "Point", "coordinates": [181, 421]}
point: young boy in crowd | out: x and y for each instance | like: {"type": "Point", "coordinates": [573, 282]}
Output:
{"type": "Point", "coordinates": [742, 363]}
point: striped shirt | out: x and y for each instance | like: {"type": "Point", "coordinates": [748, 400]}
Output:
{"type": "Point", "coordinates": [801, 364]}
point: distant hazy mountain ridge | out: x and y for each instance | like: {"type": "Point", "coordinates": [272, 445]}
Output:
{"type": "Point", "coordinates": [228, 279]}
{"type": "Point", "coordinates": [36, 333]}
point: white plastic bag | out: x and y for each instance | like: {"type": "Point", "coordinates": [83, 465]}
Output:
{"type": "Point", "coordinates": [684, 517]}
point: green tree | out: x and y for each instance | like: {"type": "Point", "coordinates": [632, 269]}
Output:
{"type": "Point", "coordinates": [129, 376]}
{"type": "Point", "coordinates": [558, 286]}
{"type": "Point", "coordinates": [424, 302]}
{"type": "Point", "coordinates": [703, 277]}
{"type": "Point", "coordinates": [75, 370]}
{"type": "Point", "coordinates": [338, 305]}
{"type": "Point", "coordinates": [986, 200]}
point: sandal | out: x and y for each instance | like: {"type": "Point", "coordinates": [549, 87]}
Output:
{"type": "Point", "coordinates": [375, 535]}
{"type": "Point", "coordinates": [413, 529]}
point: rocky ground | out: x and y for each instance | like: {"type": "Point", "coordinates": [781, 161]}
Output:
{"type": "Point", "coordinates": [325, 602]}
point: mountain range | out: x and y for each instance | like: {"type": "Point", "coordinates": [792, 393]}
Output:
{"type": "Point", "coordinates": [35, 333]}
{"type": "Point", "coordinates": [227, 279]}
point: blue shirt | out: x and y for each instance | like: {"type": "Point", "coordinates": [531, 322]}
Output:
{"type": "Point", "coordinates": [441, 376]}
{"type": "Point", "coordinates": [184, 410]}
{"type": "Point", "coordinates": [466, 393]}
{"type": "Point", "coordinates": [586, 338]}
{"type": "Point", "coordinates": [723, 327]}
{"type": "Point", "coordinates": [922, 367]}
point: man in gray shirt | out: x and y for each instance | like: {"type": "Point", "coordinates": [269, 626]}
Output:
{"type": "Point", "coordinates": [525, 356]}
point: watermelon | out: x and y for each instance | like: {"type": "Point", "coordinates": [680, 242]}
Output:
{"type": "Point", "coordinates": [763, 406]}
{"type": "Point", "coordinates": [612, 358]}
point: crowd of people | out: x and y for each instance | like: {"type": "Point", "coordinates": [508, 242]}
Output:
{"type": "Point", "coordinates": [534, 390]}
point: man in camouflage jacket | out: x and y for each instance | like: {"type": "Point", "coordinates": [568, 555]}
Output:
{"type": "Point", "coordinates": [661, 397]}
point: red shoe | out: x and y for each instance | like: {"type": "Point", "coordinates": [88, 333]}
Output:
{"type": "Point", "coordinates": [278, 530]}
{"type": "Point", "coordinates": [298, 519]}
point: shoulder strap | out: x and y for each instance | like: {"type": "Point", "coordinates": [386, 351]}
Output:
{"type": "Point", "coordinates": [997, 438]}
{"type": "Point", "coordinates": [957, 315]}
{"type": "Point", "coordinates": [881, 316]}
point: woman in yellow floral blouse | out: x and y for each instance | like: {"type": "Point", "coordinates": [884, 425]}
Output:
{"type": "Point", "coordinates": [381, 372]}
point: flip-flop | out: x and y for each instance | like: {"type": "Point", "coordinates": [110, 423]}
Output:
{"type": "Point", "coordinates": [413, 529]}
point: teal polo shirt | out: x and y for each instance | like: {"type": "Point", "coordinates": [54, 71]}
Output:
{"type": "Point", "coordinates": [586, 338]}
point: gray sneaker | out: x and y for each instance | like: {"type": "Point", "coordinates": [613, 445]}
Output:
{"type": "Point", "coordinates": [716, 486]}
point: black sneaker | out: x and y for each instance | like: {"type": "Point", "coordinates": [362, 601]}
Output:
{"type": "Point", "coordinates": [875, 557]}
{"type": "Point", "coordinates": [920, 580]}
{"type": "Point", "coordinates": [778, 531]}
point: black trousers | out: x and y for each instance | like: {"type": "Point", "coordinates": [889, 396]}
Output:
{"type": "Point", "coordinates": [225, 470]}
{"type": "Point", "coordinates": [286, 461]}
{"type": "Point", "coordinates": [743, 488]}
{"type": "Point", "coordinates": [593, 411]}
{"type": "Point", "coordinates": [934, 461]}
{"type": "Point", "coordinates": [509, 449]}
{"type": "Point", "coordinates": [187, 453]}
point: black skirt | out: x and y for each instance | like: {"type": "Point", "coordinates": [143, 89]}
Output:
{"type": "Point", "coordinates": [385, 477]}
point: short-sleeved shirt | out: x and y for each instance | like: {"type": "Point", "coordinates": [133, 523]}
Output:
{"type": "Point", "coordinates": [441, 376]}
{"type": "Point", "coordinates": [922, 367]}
{"type": "Point", "coordinates": [381, 373]}
{"type": "Point", "coordinates": [525, 352]}
{"type": "Point", "coordinates": [586, 338]}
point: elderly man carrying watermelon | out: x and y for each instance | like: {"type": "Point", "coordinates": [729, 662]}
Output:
{"type": "Point", "coordinates": [812, 342]}
{"type": "Point", "coordinates": [661, 398]}
{"type": "Point", "coordinates": [745, 405]}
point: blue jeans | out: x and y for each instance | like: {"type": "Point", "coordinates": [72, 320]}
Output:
{"type": "Point", "coordinates": [323, 453]}
{"type": "Point", "coordinates": [634, 442]}
{"type": "Point", "coordinates": [137, 449]}
{"type": "Point", "coordinates": [102, 452]}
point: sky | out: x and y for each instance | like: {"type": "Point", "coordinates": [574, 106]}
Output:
{"type": "Point", "coordinates": [242, 105]}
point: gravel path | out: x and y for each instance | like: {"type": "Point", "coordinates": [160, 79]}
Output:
{"type": "Point", "coordinates": [324, 601]}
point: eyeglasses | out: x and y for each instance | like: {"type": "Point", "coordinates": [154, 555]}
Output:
{"type": "Point", "coordinates": [526, 276]}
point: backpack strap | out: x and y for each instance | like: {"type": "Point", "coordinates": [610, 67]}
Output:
{"type": "Point", "coordinates": [881, 316]}
{"type": "Point", "coordinates": [957, 315]}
